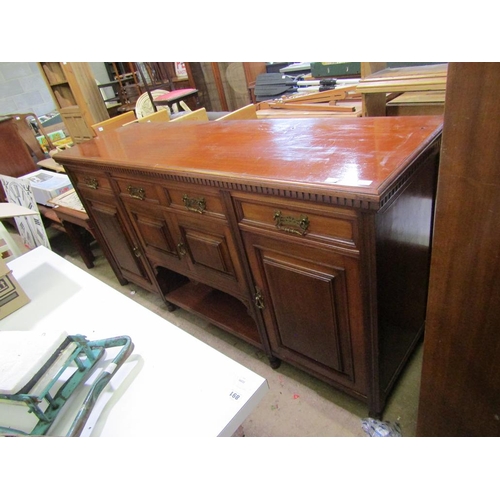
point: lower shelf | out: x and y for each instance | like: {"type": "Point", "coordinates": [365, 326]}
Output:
{"type": "Point", "coordinates": [218, 308]}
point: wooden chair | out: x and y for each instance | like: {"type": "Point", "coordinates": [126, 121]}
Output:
{"type": "Point", "coordinates": [246, 113]}
{"type": "Point", "coordinates": [199, 115]}
{"type": "Point", "coordinates": [162, 115]}
{"type": "Point", "coordinates": [112, 123]}
{"type": "Point", "coordinates": [129, 94]}
{"type": "Point", "coordinates": [28, 134]}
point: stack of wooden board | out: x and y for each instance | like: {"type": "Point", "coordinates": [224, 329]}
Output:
{"type": "Point", "coordinates": [413, 82]}
{"type": "Point", "coordinates": [339, 101]}
{"type": "Point", "coordinates": [406, 79]}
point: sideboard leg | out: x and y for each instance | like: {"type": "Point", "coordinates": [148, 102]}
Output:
{"type": "Point", "coordinates": [274, 362]}
{"type": "Point", "coordinates": [377, 415]}
{"type": "Point", "coordinates": [170, 307]}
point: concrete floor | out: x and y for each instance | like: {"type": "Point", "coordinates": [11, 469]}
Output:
{"type": "Point", "coordinates": [297, 404]}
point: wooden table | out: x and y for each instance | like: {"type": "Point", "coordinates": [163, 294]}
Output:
{"type": "Point", "coordinates": [74, 221]}
{"type": "Point", "coordinates": [76, 225]}
{"type": "Point", "coordinates": [171, 386]}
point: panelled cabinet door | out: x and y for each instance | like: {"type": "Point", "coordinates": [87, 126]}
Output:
{"type": "Point", "coordinates": [156, 238]}
{"type": "Point", "coordinates": [311, 303]}
{"type": "Point", "coordinates": [76, 124]}
{"type": "Point", "coordinates": [210, 253]}
{"type": "Point", "coordinates": [125, 252]}
{"type": "Point", "coordinates": [144, 203]}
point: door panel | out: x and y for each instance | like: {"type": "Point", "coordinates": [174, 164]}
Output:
{"type": "Point", "coordinates": [154, 233]}
{"type": "Point", "coordinates": [309, 308]}
{"type": "Point", "coordinates": [122, 248]}
{"type": "Point", "coordinates": [210, 252]}
{"type": "Point", "coordinates": [312, 307]}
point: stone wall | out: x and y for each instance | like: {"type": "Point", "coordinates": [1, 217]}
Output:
{"type": "Point", "coordinates": [23, 89]}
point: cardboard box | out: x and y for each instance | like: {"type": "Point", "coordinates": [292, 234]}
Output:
{"type": "Point", "coordinates": [9, 249]}
{"type": "Point", "coordinates": [58, 135]}
{"type": "Point", "coordinates": [12, 296]}
{"type": "Point", "coordinates": [47, 185]}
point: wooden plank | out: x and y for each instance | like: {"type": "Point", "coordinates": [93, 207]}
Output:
{"type": "Point", "coordinates": [403, 85]}
{"type": "Point", "coordinates": [313, 107]}
{"type": "Point", "coordinates": [418, 78]}
{"type": "Point", "coordinates": [323, 96]}
{"type": "Point", "coordinates": [409, 72]}
{"type": "Point", "coordinates": [268, 113]}
{"type": "Point", "coordinates": [218, 308]}
{"type": "Point", "coordinates": [460, 377]}
{"type": "Point", "coordinates": [418, 98]}
{"type": "Point", "coordinates": [219, 86]}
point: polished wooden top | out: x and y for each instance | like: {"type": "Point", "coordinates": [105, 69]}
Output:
{"type": "Point", "coordinates": [348, 155]}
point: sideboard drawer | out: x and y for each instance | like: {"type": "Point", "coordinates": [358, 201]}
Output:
{"type": "Point", "coordinates": [196, 200]}
{"type": "Point", "coordinates": [304, 220]}
{"type": "Point", "coordinates": [131, 188]}
{"type": "Point", "coordinates": [92, 180]}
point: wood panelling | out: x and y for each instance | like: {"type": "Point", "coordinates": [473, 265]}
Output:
{"type": "Point", "coordinates": [460, 393]}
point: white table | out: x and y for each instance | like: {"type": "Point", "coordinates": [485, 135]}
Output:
{"type": "Point", "coordinates": [172, 385]}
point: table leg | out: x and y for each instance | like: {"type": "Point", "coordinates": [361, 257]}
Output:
{"type": "Point", "coordinates": [81, 241]}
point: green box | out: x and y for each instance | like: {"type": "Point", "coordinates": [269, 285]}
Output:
{"type": "Point", "coordinates": [332, 69]}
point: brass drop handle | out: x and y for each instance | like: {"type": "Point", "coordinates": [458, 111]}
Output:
{"type": "Point", "coordinates": [91, 183]}
{"type": "Point", "coordinates": [136, 192]}
{"type": "Point", "coordinates": [259, 298]}
{"type": "Point", "coordinates": [136, 251]}
{"type": "Point", "coordinates": [194, 204]}
{"type": "Point", "coordinates": [290, 224]}
{"type": "Point", "coordinates": [181, 249]}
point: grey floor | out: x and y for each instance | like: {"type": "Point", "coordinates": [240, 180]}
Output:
{"type": "Point", "coordinates": [297, 404]}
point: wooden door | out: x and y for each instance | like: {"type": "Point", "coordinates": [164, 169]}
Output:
{"type": "Point", "coordinates": [311, 303]}
{"type": "Point", "coordinates": [209, 251]}
{"type": "Point", "coordinates": [460, 376]}
{"type": "Point", "coordinates": [154, 233]}
{"type": "Point", "coordinates": [75, 123]}
{"type": "Point", "coordinates": [125, 251]}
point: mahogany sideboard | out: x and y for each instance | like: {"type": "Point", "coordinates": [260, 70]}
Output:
{"type": "Point", "coordinates": [309, 238]}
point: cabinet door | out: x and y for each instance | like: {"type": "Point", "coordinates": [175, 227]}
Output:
{"type": "Point", "coordinates": [154, 233]}
{"type": "Point", "coordinates": [124, 250]}
{"type": "Point", "coordinates": [76, 124]}
{"type": "Point", "coordinates": [208, 248]}
{"type": "Point", "coordinates": [311, 304]}
{"type": "Point", "coordinates": [119, 242]}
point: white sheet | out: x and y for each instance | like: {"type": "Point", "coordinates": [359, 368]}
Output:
{"type": "Point", "coordinates": [22, 354]}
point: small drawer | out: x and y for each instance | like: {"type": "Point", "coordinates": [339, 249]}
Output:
{"type": "Point", "coordinates": [92, 180]}
{"type": "Point", "coordinates": [138, 190]}
{"type": "Point", "coordinates": [196, 201]}
{"type": "Point", "coordinates": [335, 225]}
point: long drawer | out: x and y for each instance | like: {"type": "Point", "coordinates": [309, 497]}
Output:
{"type": "Point", "coordinates": [325, 224]}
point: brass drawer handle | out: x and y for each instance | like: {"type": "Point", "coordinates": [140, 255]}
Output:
{"type": "Point", "coordinates": [194, 204]}
{"type": "Point", "coordinates": [181, 248]}
{"type": "Point", "coordinates": [91, 183]}
{"type": "Point", "coordinates": [291, 224]}
{"type": "Point", "coordinates": [137, 193]}
{"type": "Point", "coordinates": [136, 251]}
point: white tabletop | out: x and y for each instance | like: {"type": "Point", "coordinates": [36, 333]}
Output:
{"type": "Point", "coordinates": [172, 385]}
